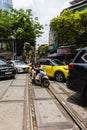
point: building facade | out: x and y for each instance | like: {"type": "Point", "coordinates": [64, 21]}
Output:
{"type": "Point", "coordinates": [82, 4]}
{"type": "Point", "coordinates": [73, 2]}
{"type": "Point", "coordinates": [6, 4]}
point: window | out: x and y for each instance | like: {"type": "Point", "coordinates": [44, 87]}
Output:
{"type": "Point", "coordinates": [81, 57]}
{"type": "Point", "coordinates": [42, 62]}
{"type": "Point", "coordinates": [48, 62]}
{"type": "Point", "coordinates": [45, 62]}
{"type": "Point", "coordinates": [84, 57]}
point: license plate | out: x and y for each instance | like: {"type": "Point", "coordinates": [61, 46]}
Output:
{"type": "Point", "coordinates": [8, 73]}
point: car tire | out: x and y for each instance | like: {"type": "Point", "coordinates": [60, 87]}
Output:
{"type": "Point", "coordinates": [13, 77]}
{"type": "Point", "coordinates": [59, 76]}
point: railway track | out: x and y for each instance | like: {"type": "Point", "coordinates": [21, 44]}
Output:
{"type": "Point", "coordinates": [78, 112]}
{"type": "Point", "coordinates": [56, 108]}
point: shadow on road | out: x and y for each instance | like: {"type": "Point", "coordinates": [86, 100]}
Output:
{"type": "Point", "coordinates": [77, 99]}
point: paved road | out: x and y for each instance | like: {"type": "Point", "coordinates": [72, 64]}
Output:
{"type": "Point", "coordinates": [13, 103]}
{"type": "Point", "coordinates": [49, 113]}
{"type": "Point", "coordinates": [24, 106]}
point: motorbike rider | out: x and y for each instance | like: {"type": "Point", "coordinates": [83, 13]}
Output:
{"type": "Point", "coordinates": [36, 71]}
{"type": "Point", "coordinates": [39, 76]}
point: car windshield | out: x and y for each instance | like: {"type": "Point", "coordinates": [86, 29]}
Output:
{"type": "Point", "coordinates": [2, 62]}
{"type": "Point", "coordinates": [19, 62]}
{"type": "Point", "coordinates": [57, 62]}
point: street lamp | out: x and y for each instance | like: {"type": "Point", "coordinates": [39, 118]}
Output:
{"type": "Point", "coordinates": [13, 47]}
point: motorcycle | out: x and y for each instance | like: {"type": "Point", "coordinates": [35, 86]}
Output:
{"type": "Point", "coordinates": [41, 78]}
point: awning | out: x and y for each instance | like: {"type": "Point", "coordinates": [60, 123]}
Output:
{"type": "Point", "coordinates": [54, 55]}
{"type": "Point", "coordinates": [58, 55]}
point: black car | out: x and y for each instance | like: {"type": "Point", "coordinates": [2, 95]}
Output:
{"type": "Point", "coordinates": [77, 79]}
{"type": "Point", "coordinates": [6, 70]}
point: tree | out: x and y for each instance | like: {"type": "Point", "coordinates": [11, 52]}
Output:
{"type": "Point", "coordinates": [70, 27]}
{"type": "Point", "coordinates": [42, 51]}
{"type": "Point", "coordinates": [21, 24]}
{"type": "Point", "coordinates": [5, 24]}
{"type": "Point", "coordinates": [82, 28]}
{"type": "Point", "coordinates": [25, 27]}
{"type": "Point", "coordinates": [64, 27]}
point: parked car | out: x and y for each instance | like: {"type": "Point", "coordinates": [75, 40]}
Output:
{"type": "Point", "coordinates": [6, 70]}
{"type": "Point", "coordinates": [77, 79]}
{"type": "Point", "coordinates": [55, 68]}
{"type": "Point", "coordinates": [20, 66]}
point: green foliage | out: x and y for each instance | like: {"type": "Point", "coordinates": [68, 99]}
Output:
{"type": "Point", "coordinates": [25, 26]}
{"type": "Point", "coordinates": [83, 27]}
{"type": "Point", "coordinates": [21, 24]}
{"type": "Point", "coordinates": [42, 51]}
{"type": "Point", "coordinates": [5, 24]}
{"type": "Point", "coordinates": [70, 28]}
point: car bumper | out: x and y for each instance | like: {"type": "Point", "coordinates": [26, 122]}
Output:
{"type": "Point", "coordinates": [7, 74]}
{"type": "Point", "coordinates": [22, 70]}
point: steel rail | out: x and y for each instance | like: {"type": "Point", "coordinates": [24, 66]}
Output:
{"type": "Point", "coordinates": [66, 107]}
{"type": "Point", "coordinates": [33, 122]}
{"type": "Point", "coordinates": [30, 107]}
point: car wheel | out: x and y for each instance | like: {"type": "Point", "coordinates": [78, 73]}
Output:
{"type": "Point", "coordinates": [59, 76]}
{"type": "Point", "coordinates": [13, 77]}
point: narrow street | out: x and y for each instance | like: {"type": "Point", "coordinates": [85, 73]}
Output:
{"type": "Point", "coordinates": [24, 106]}
{"type": "Point", "coordinates": [43, 65]}
{"type": "Point", "coordinates": [56, 108]}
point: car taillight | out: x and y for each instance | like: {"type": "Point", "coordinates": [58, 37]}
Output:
{"type": "Point", "coordinates": [70, 66]}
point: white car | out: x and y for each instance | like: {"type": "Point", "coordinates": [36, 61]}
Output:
{"type": "Point", "coordinates": [20, 66]}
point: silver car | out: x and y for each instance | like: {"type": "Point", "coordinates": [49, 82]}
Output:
{"type": "Point", "coordinates": [20, 66]}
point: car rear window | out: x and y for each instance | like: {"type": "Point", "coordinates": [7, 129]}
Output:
{"type": "Point", "coordinates": [81, 57]}
{"type": "Point", "coordinates": [84, 57]}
